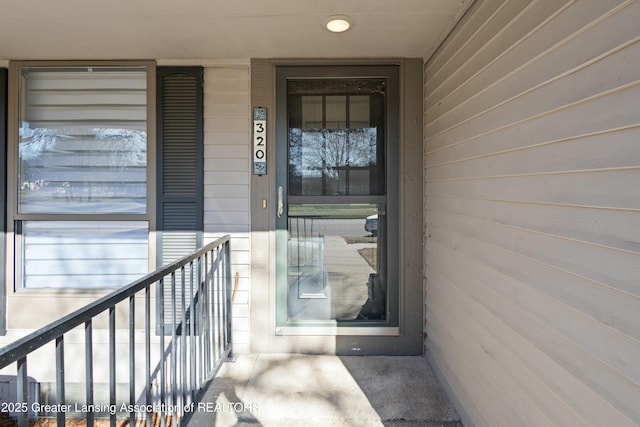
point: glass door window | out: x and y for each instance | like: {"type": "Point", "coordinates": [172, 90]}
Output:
{"type": "Point", "coordinates": [335, 214]}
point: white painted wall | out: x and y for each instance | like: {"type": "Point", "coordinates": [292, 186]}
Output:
{"type": "Point", "coordinates": [532, 206]}
{"type": "Point", "coordinates": [227, 171]}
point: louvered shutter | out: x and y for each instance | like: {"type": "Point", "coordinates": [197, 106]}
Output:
{"type": "Point", "coordinates": [180, 169]}
{"type": "Point", "coordinates": [3, 192]}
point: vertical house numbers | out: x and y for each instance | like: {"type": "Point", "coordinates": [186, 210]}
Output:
{"type": "Point", "coordinates": [259, 141]}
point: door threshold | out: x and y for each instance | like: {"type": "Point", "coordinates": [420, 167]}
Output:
{"type": "Point", "coordinates": [392, 331]}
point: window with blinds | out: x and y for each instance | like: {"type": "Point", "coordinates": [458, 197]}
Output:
{"type": "Point", "coordinates": [82, 140]}
{"type": "Point", "coordinates": [82, 151]}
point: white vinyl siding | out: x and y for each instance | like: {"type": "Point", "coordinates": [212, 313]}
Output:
{"type": "Point", "coordinates": [227, 157]}
{"type": "Point", "coordinates": [532, 209]}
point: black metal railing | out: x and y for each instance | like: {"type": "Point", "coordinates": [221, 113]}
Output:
{"type": "Point", "coordinates": [183, 350]}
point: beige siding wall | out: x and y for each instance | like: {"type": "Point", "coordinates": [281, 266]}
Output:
{"type": "Point", "coordinates": [532, 201]}
{"type": "Point", "coordinates": [226, 177]}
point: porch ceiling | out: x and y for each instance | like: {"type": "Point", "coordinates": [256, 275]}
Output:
{"type": "Point", "coordinates": [221, 29]}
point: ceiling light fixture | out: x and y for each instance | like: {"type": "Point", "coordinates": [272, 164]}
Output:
{"type": "Point", "coordinates": [338, 23]}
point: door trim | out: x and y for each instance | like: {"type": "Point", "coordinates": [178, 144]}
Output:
{"type": "Point", "coordinates": [405, 338]}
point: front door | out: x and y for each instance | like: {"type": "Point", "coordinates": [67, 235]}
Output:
{"type": "Point", "coordinates": [336, 178]}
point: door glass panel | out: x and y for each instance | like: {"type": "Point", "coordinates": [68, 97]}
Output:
{"type": "Point", "coordinates": [359, 112]}
{"type": "Point", "coordinates": [311, 114]}
{"type": "Point", "coordinates": [336, 247]}
{"type": "Point", "coordinates": [336, 112]}
{"type": "Point", "coordinates": [336, 262]}
{"type": "Point", "coordinates": [333, 162]}
{"type": "Point", "coordinates": [336, 142]}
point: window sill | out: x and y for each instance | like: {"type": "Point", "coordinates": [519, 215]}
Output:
{"type": "Point", "coordinates": [62, 292]}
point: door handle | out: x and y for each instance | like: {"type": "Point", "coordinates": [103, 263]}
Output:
{"type": "Point", "coordinates": [280, 202]}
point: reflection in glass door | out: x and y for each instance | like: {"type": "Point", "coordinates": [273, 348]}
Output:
{"type": "Point", "coordinates": [334, 202]}
{"type": "Point", "coordinates": [334, 268]}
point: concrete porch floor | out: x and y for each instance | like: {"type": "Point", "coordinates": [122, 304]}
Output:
{"type": "Point", "coordinates": [287, 390]}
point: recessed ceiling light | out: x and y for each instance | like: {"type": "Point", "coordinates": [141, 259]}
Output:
{"type": "Point", "coordinates": [338, 23]}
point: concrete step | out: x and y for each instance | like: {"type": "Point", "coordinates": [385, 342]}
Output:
{"type": "Point", "coordinates": [283, 390]}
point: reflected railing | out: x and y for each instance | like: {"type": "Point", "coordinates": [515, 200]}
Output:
{"type": "Point", "coordinates": [183, 348]}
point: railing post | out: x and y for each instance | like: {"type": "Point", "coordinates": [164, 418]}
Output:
{"type": "Point", "coordinates": [163, 375]}
{"type": "Point", "coordinates": [229, 293]}
{"type": "Point", "coordinates": [112, 363]}
{"type": "Point", "coordinates": [147, 351]}
{"type": "Point", "coordinates": [60, 378]}
{"type": "Point", "coordinates": [174, 352]}
{"type": "Point", "coordinates": [208, 259]}
{"type": "Point", "coordinates": [192, 335]}
{"type": "Point", "coordinates": [132, 357]}
{"type": "Point", "coordinates": [23, 392]}
{"type": "Point", "coordinates": [183, 341]}
{"type": "Point", "coordinates": [88, 354]}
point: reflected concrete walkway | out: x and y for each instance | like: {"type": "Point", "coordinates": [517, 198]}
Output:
{"type": "Point", "coordinates": [284, 390]}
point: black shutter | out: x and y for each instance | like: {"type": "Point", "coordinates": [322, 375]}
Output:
{"type": "Point", "coordinates": [180, 199]}
{"type": "Point", "coordinates": [3, 197]}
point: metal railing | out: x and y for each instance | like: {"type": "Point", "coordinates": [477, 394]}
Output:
{"type": "Point", "coordinates": [198, 323]}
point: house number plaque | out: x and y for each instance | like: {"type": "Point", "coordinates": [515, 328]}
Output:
{"type": "Point", "coordinates": [259, 141]}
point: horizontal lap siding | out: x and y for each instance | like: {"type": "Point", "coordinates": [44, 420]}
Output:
{"type": "Point", "coordinates": [532, 165]}
{"type": "Point", "coordinates": [226, 176]}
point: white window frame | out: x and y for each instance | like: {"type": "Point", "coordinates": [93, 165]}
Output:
{"type": "Point", "coordinates": [14, 261]}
